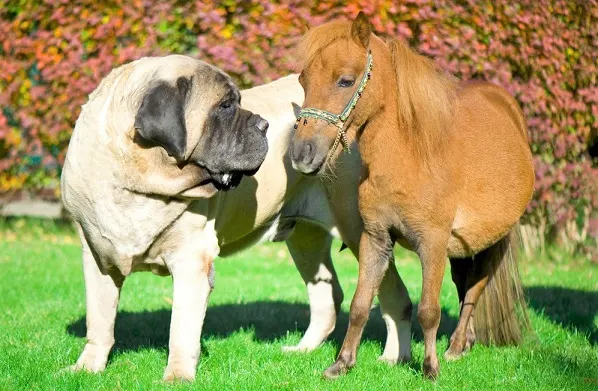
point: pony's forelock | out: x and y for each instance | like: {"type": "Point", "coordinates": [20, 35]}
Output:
{"type": "Point", "coordinates": [317, 38]}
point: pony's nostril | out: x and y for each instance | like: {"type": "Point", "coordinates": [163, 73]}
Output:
{"type": "Point", "coordinates": [303, 152]}
{"type": "Point", "coordinates": [308, 149]}
{"type": "Point", "coordinates": [308, 153]}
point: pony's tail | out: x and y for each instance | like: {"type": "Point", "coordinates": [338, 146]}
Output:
{"type": "Point", "coordinates": [500, 316]}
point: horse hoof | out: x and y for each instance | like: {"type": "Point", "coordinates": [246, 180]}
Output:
{"type": "Point", "coordinates": [455, 353]}
{"type": "Point", "coordinates": [431, 369]}
{"type": "Point", "coordinates": [451, 355]}
{"type": "Point", "coordinates": [334, 371]}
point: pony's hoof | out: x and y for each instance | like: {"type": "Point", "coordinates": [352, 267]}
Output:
{"type": "Point", "coordinates": [431, 369]}
{"type": "Point", "coordinates": [451, 355]}
{"type": "Point", "coordinates": [335, 370]}
{"type": "Point", "coordinates": [457, 350]}
{"type": "Point", "coordinates": [455, 354]}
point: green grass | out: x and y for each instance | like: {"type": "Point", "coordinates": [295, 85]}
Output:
{"type": "Point", "coordinates": [259, 305]}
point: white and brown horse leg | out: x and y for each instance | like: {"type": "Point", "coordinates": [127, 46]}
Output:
{"type": "Point", "coordinates": [309, 246]}
{"type": "Point", "coordinates": [433, 256]}
{"type": "Point", "coordinates": [375, 252]}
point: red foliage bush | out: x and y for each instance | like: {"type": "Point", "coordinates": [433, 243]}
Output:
{"type": "Point", "coordinates": [54, 52]}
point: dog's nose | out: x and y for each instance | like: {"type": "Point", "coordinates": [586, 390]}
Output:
{"type": "Point", "coordinates": [262, 125]}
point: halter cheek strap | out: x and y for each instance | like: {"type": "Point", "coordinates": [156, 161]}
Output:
{"type": "Point", "coordinates": [339, 120]}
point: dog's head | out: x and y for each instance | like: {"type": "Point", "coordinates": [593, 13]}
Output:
{"type": "Point", "coordinates": [192, 111]}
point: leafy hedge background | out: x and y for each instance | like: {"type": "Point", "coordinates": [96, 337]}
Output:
{"type": "Point", "coordinates": [54, 52]}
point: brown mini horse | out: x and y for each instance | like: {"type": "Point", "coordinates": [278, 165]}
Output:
{"type": "Point", "coordinates": [447, 172]}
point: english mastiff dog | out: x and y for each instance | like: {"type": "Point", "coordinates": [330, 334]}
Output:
{"type": "Point", "coordinates": [153, 147]}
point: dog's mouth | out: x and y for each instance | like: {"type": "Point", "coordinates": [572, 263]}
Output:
{"type": "Point", "coordinates": [226, 181]}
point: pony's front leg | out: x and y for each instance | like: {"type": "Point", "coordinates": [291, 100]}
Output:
{"type": "Point", "coordinates": [433, 256]}
{"type": "Point", "coordinates": [193, 280]}
{"type": "Point", "coordinates": [102, 291]}
{"type": "Point", "coordinates": [309, 246]}
{"type": "Point", "coordinates": [375, 251]}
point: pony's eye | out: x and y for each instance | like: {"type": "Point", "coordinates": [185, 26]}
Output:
{"type": "Point", "coordinates": [346, 81]}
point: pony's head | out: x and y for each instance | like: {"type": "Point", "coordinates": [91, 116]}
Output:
{"type": "Point", "coordinates": [336, 63]}
{"type": "Point", "coordinates": [340, 97]}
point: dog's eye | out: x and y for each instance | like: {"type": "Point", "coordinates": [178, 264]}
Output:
{"type": "Point", "coordinates": [226, 105]}
{"type": "Point", "coordinates": [346, 81]}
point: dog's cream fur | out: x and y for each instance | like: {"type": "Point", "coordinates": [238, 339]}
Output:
{"type": "Point", "coordinates": [126, 223]}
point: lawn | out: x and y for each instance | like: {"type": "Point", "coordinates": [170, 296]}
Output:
{"type": "Point", "coordinates": [259, 305]}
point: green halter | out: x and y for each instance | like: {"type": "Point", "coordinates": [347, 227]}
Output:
{"type": "Point", "coordinates": [338, 120]}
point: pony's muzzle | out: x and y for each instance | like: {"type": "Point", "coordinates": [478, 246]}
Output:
{"type": "Point", "coordinates": [305, 157]}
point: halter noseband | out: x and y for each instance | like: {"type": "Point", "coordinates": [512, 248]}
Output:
{"type": "Point", "coordinates": [339, 120]}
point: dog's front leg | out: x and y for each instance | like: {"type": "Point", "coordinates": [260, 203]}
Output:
{"type": "Point", "coordinates": [193, 280]}
{"type": "Point", "coordinates": [102, 292]}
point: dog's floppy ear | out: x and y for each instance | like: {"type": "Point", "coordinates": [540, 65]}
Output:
{"type": "Point", "coordinates": [161, 117]}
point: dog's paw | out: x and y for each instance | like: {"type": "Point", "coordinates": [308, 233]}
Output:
{"type": "Point", "coordinates": [178, 372]}
{"type": "Point", "coordinates": [93, 359]}
{"type": "Point", "coordinates": [392, 360]}
{"type": "Point", "coordinates": [297, 348]}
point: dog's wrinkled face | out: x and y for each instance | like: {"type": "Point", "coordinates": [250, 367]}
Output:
{"type": "Point", "coordinates": [233, 142]}
{"type": "Point", "coordinates": [197, 119]}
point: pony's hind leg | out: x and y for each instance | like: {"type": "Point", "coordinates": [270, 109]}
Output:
{"type": "Point", "coordinates": [433, 258]}
{"type": "Point", "coordinates": [471, 278]}
{"type": "Point", "coordinates": [375, 251]}
{"type": "Point", "coordinates": [309, 246]}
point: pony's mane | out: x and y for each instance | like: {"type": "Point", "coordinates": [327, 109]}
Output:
{"type": "Point", "coordinates": [425, 99]}
{"type": "Point", "coordinates": [425, 94]}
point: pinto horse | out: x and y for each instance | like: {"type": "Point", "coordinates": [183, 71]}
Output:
{"type": "Point", "coordinates": [447, 172]}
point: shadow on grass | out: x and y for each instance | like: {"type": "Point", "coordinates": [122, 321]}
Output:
{"type": "Point", "coordinates": [273, 320]}
{"type": "Point", "coordinates": [269, 321]}
{"type": "Point", "coordinates": [569, 307]}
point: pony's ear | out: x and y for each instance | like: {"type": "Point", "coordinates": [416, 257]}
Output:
{"type": "Point", "coordinates": [361, 30]}
{"type": "Point", "coordinates": [296, 109]}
